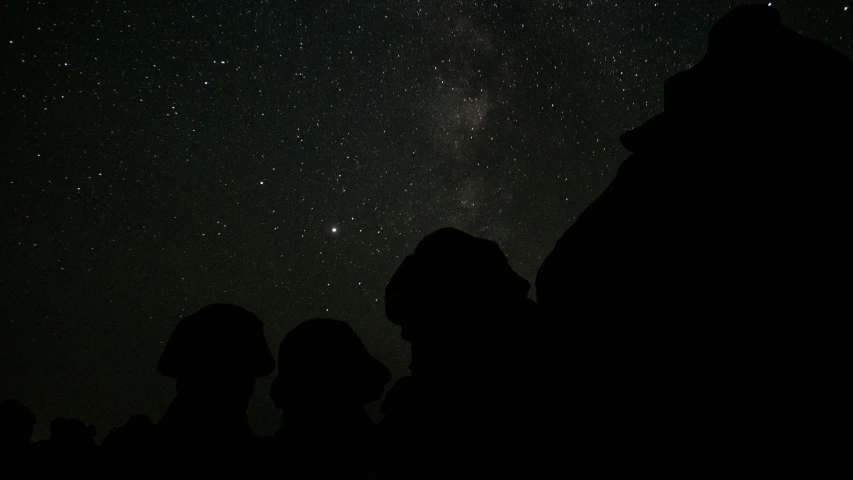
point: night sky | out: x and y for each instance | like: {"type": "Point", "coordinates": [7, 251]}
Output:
{"type": "Point", "coordinates": [285, 156]}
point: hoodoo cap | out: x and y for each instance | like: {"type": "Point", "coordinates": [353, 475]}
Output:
{"type": "Point", "coordinates": [323, 355]}
{"type": "Point", "coordinates": [217, 339]}
{"type": "Point", "coordinates": [451, 267]}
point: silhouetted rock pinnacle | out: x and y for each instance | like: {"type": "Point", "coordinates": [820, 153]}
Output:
{"type": "Point", "coordinates": [700, 293]}
{"type": "Point", "coordinates": [219, 337]}
{"type": "Point", "coordinates": [215, 355]}
{"type": "Point", "coordinates": [325, 378]}
{"type": "Point", "coordinates": [475, 359]}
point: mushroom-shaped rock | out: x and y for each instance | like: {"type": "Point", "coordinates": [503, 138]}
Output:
{"type": "Point", "coordinates": [219, 338]}
{"type": "Point", "coordinates": [326, 376]}
{"type": "Point", "coordinates": [476, 356]}
{"type": "Point", "coordinates": [451, 270]}
{"type": "Point", "coordinates": [324, 358]}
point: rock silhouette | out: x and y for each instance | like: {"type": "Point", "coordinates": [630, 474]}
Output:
{"type": "Point", "coordinates": [326, 376]}
{"type": "Point", "coordinates": [397, 431]}
{"type": "Point", "coordinates": [215, 355]}
{"type": "Point", "coordinates": [71, 450]}
{"type": "Point", "coordinates": [701, 293]}
{"type": "Point", "coordinates": [129, 450]}
{"type": "Point", "coordinates": [16, 425]}
{"type": "Point", "coordinates": [470, 324]}
{"type": "Point", "coordinates": [16, 431]}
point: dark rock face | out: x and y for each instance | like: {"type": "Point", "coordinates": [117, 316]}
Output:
{"type": "Point", "coordinates": [215, 354]}
{"type": "Point", "coordinates": [325, 378]}
{"type": "Point", "coordinates": [129, 451]}
{"type": "Point", "coordinates": [71, 450]}
{"type": "Point", "coordinates": [16, 425]}
{"type": "Point", "coordinates": [16, 431]}
{"type": "Point", "coordinates": [218, 338]}
{"type": "Point", "coordinates": [470, 324]}
{"type": "Point", "coordinates": [454, 289]}
{"type": "Point", "coordinates": [322, 360]}
{"type": "Point", "coordinates": [701, 295]}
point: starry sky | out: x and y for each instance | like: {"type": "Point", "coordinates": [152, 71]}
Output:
{"type": "Point", "coordinates": [286, 155]}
